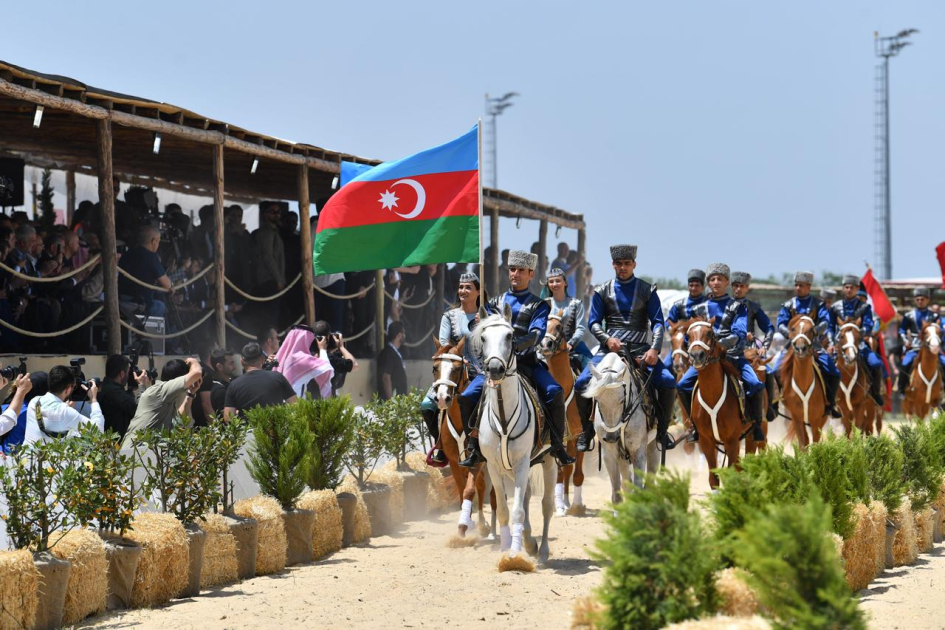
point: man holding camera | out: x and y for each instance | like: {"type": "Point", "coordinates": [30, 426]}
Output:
{"type": "Point", "coordinates": [256, 387]}
{"type": "Point", "coordinates": [342, 361]}
{"type": "Point", "coordinates": [120, 392]}
{"type": "Point", "coordinates": [168, 398]}
{"type": "Point", "coordinates": [56, 417]}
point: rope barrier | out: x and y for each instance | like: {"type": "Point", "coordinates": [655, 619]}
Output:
{"type": "Point", "coordinates": [261, 299]}
{"type": "Point", "coordinates": [142, 333]}
{"type": "Point", "coordinates": [345, 297]}
{"type": "Point", "coordinates": [360, 334]}
{"type": "Point", "coordinates": [239, 330]}
{"type": "Point", "coordinates": [423, 339]}
{"type": "Point", "coordinates": [30, 333]}
{"type": "Point", "coordinates": [293, 324]}
{"type": "Point", "coordinates": [10, 270]}
{"type": "Point", "coordinates": [402, 305]}
{"type": "Point", "coordinates": [175, 287]}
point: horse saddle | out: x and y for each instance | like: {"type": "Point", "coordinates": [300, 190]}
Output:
{"type": "Point", "coordinates": [542, 441]}
{"type": "Point", "coordinates": [642, 383]}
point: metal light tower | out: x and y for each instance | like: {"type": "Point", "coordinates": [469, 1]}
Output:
{"type": "Point", "coordinates": [494, 108]}
{"type": "Point", "coordinates": [885, 48]}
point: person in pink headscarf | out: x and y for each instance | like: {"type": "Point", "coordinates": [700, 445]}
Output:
{"type": "Point", "coordinates": [304, 371]}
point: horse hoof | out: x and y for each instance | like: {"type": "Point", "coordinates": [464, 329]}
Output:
{"type": "Point", "coordinates": [461, 530]}
{"type": "Point", "coordinates": [543, 555]}
{"type": "Point", "coordinates": [517, 562]}
{"type": "Point", "coordinates": [531, 546]}
{"type": "Point", "coordinates": [561, 511]}
{"type": "Point", "coordinates": [577, 510]}
{"type": "Point", "coordinates": [485, 531]}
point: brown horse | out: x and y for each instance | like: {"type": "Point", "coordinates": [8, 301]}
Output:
{"type": "Point", "coordinates": [802, 389]}
{"type": "Point", "coordinates": [759, 364]}
{"type": "Point", "coordinates": [716, 411]}
{"type": "Point", "coordinates": [451, 378]}
{"type": "Point", "coordinates": [856, 405]}
{"type": "Point", "coordinates": [680, 359]}
{"type": "Point", "coordinates": [925, 385]}
{"type": "Point", "coordinates": [554, 349]}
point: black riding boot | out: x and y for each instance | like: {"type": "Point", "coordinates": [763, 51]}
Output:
{"type": "Point", "coordinates": [558, 418]}
{"type": "Point", "coordinates": [686, 399]}
{"type": "Point", "coordinates": [770, 386]}
{"type": "Point", "coordinates": [832, 383]}
{"type": "Point", "coordinates": [903, 384]}
{"type": "Point", "coordinates": [431, 419]}
{"type": "Point", "coordinates": [755, 404]}
{"type": "Point", "coordinates": [466, 409]}
{"type": "Point", "coordinates": [585, 441]}
{"type": "Point", "coordinates": [876, 385]}
{"type": "Point", "coordinates": [667, 400]}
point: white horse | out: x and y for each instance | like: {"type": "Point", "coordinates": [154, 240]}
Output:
{"type": "Point", "coordinates": [620, 423]}
{"type": "Point", "coordinates": [507, 428]}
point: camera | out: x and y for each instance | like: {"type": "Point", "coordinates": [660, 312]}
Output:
{"type": "Point", "coordinates": [80, 391]}
{"type": "Point", "coordinates": [136, 371]}
{"type": "Point", "coordinates": [10, 373]}
{"type": "Point", "coordinates": [270, 364]}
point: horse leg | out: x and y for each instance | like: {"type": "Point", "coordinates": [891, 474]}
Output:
{"type": "Point", "coordinates": [459, 478]}
{"type": "Point", "coordinates": [547, 509]}
{"type": "Point", "coordinates": [528, 541]}
{"type": "Point", "coordinates": [577, 506]}
{"type": "Point", "coordinates": [610, 461]}
{"type": "Point", "coordinates": [733, 451]}
{"type": "Point", "coordinates": [639, 465]}
{"type": "Point", "coordinates": [502, 507]}
{"type": "Point", "coordinates": [561, 487]}
{"type": "Point", "coordinates": [465, 514]}
{"type": "Point", "coordinates": [711, 458]}
{"type": "Point", "coordinates": [480, 482]}
{"type": "Point", "coordinates": [653, 458]}
{"type": "Point", "coordinates": [800, 430]}
{"type": "Point", "coordinates": [519, 487]}
{"type": "Point", "coordinates": [626, 475]}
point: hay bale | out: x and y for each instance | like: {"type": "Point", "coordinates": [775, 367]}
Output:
{"type": "Point", "coordinates": [271, 546]}
{"type": "Point", "coordinates": [441, 491]}
{"type": "Point", "coordinates": [165, 559]}
{"type": "Point", "coordinates": [859, 550]}
{"type": "Point", "coordinates": [923, 530]}
{"type": "Point", "coordinates": [362, 518]}
{"type": "Point", "coordinates": [390, 476]}
{"type": "Point", "coordinates": [584, 611]}
{"type": "Point", "coordinates": [905, 546]}
{"type": "Point", "coordinates": [721, 622]}
{"type": "Point", "coordinates": [878, 516]}
{"type": "Point", "coordinates": [328, 531]}
{"type": "Point", "coordinates": [19, 588]}
{"type": "Point", "coordinates": [736, 598]}
{"type": "Point", "coordinates": [87, 592]}
{"type": "Point", "coordinates": [220, 565]}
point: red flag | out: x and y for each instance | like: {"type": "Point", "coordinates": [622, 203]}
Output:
{"type": "Point", "coordinates": [882, 307]}
{"type": "Point", "coordinates": [940, 254]}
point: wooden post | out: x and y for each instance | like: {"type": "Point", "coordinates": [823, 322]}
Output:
{"type": "Point", "coordinates": [581, 287]}
{"type": "Point", "coordinates": [106, 199]}
{"type": "Point", "coordinates": [379, 313]}
{"type": "Point", "coordinates": [219, 269]}
{"type": "Point", "coordinates": [542, 251]}
{"type": "Point", "coordinates": [308, 281]}
{"type": "Point", "coordinates": [70, 197]}
{"type": "Point", "coordinates": [493, 270]}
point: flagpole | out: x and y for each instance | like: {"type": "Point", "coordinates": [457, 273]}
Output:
{"type": "Point", "coordinates": [482, 266]}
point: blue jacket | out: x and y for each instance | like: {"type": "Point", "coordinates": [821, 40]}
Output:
{"type": "Point", "coordinates": [811, 306]}
{"type": "Point", "coordinates": [683, 309]}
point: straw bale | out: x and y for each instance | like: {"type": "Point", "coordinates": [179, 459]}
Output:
{"type": "Point", "coordinates": [859, 550]}
{"type": "Point", "coordinates": [721, 622]}
{"type": "Point", "coordinates": [362, 518]}
{"type": "Point", "coordinates": [441, 491]}
{"type": "Point", "coordinates": [328, 530]}
{"type": "Point", "coordinates": [271, 549]}
{"type": "Point", "coordinates": [905, 546]}
{"type": "Point", "coordinates": [878, 515]}
{"type": "Point", "coordinates": [164, 567]}
{"type": "Point", "coordinates": [390, 476]}
{"type": "Point", "coordinates": [519, 562]}
{"type": "Point", "coordinates": [87, 591]}
{"type": "Point", "coordinates": [923, 530]}
{"type": "Point", "coordinates": [19, 588]}
{"type": "Point", "coordinates": [584, 611]}
{"type": "Point", "coordinates": [220, 564]}
{"type": "Point", "coordinates": [736, 597]}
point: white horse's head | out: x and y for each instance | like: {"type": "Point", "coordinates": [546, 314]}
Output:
{"type": "Point", "coordinates": [492, 344]}
{"type": "Point", "coordinates": [932, 337]}
{"type": "Point", "coordinates": [610, 374]}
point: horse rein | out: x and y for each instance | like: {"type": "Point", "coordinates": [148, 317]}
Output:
{"type": "Point", "coordinates": [802, 335]}
{"type": "Point", "coordinates": [701, 344]}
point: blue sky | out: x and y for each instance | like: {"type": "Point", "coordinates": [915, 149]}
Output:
{"type": "Point", "coordinates": [739, 132]}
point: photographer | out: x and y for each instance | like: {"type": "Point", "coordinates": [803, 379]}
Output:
{"type": "Point", "coordinates": [168, 398]}
{"type": "Point", "coordinates": [303, 360]}
{"type": "Point", "coordinates": [119, 404]}
{"type": "Point", "coordinates": [23, 384]}
{"type": "Point", "coordinates": [256, 387]}
{"type": "Point", "coordinates": [58, 417]}
{"type": "Point", "coordinates": [342, 361]}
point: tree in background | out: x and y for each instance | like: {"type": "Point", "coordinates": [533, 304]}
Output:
{"type": "Point", "coordinates": [47, 212]}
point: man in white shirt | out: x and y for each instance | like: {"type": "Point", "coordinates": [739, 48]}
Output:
{"type": "Point", "coordinates": [58, 417]}
{"type": "Point", "coordinates": [23, 385]}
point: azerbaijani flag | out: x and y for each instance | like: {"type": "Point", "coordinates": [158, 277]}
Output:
{"type": "Point", "coordinates": [422, 209]}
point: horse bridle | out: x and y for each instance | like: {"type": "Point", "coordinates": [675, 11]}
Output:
{"type": "Point", "coordinates": [802, 335]}
{"type": "Point", "coordinates": [556, 338]}
{"type": "Point", "coordinates": [507, 364]}
{"type": "Point", "coordinates": [701, 344]}
{"type": "Point", "coordinates": [453, 359]}
{"type": "Point", "coordinates": [849, 344]}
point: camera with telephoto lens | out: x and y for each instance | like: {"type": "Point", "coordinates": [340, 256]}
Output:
{"type": "Point", "coordinates": [270, 364]}
{"type": "Point", "coordinates": [135, 371]}
{"type": "Point", "coordinates": [10, 372]}
{"type": "Point", "coordinates": [80, 391]}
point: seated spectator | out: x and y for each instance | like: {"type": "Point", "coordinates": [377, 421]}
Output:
{"type": "Point", "coordinates": [170, 397]}
{"type": "Point", "coordinates": [304, 371]}
{"type": "Point", "coordinates": [118, 403]}
{"type": "Point", "coordinates": [256, 387]}
{"type": "Point", "coordinates": [391, 372]}
{"type": "Point", "coordinates": [342, 361]}
{"type": "Point", "coordinates": [143, 263]}
{"type": "Point", "coordinates": [58, 417]}
{"type": "Point", "coordinates": [8, 419]}
{"type": "Point", "coordinates": [39, 385]}
{"type": "Point", "coordinates": [21, 258]}
{"type": "Point", "coordinates": [223, 364]}
{"type": "Point", "coordinates": [200, 238]}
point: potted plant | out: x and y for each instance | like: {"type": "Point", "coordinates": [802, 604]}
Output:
{"type": "Point", "coordinates": [402, 427]}
{"type": "Point", "coordinates": [278, 462]}
{"type": "Point", "coordinates": [367, 447]}
{"type": "Point", "coordinates": [40, 484]}
{"type": "Point", "coordinates": [884, 464]}
{"type": "Point", "coordinates": [230, 437]}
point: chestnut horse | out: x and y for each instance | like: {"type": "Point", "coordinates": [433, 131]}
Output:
{"type": "Point", "coordinates": [450, 378]}
{"type": "Point", "coordinates": [802, 392]}
{"type": "Point", "coordinates": [680, 358]}
{"type": "Point", "coordinates": [925, 385]}
{"type": "Point", "coordinates": [759, 363]}
{"type": "Point", "coordinates": [716, 411]}
{"type": "Point", "coordinates": [554, 348]}
{"type": "Point", "coordinates": [856, 404]}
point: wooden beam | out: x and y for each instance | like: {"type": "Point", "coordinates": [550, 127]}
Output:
{"type": "Point", "coordinates": [493, 270]}
{"type": "Point", "coordinates": [581, 287]}
{"type": "Point", "coordinates": [219, 269]}
{"type": "Point", "coordinates": [379, 318]}
{"type": "Point", "coordinates": [106, 198]}
{"type": "Point", "coordinates": [305, 227]}
{"type": "Point", "coordinates": [515, 209]}
{"type": "Point", "coordinates": [542, 250]}
{"type": "Point", "coordinates": [70, 196]}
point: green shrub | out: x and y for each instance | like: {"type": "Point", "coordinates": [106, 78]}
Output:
{"type": "Point", "coordinates": [229, 438]}
{"type": "Point", "coordinates": [107, 496]}
{"type": "Point", "coordinates": [794, 567]}
{"type": "Point", "coordinates": [659, 563]}
{"type": "Point", "coordinates": [401, 422]}
{"type": "Point", "coordinates": [884, 464]}
{"type": "Point", "coordinates": [828, 462]}
{"type": "Point", "coordinates": [918, 470]}
{"type": "Point", "coordinates": [933, 436]}
{"type": "Point", "coordinates": [278, 461]}
{"type": "Point", "coordinates": [367, 445]}
{"type": "Point", "coordinates": [331, 423]}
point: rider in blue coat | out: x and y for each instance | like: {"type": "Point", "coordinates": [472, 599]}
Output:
{"type": "Point", "coordinates": [684, 308]}
{"type": "Point", "coordinates": [850, 307]}
{"type": "Point", "coordinates": [803, 303]}
{"type": "Point", "coordinates": [529, 320]}
{"type": "Point", "coordinates": [626, 317]}
{"type": "Point", "coordinates": [910, 332]}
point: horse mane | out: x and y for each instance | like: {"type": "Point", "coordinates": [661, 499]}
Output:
{"type": "Point", "coordinates": [597, 385]}
{"type": "Point", "coordinates": [680, 325]}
